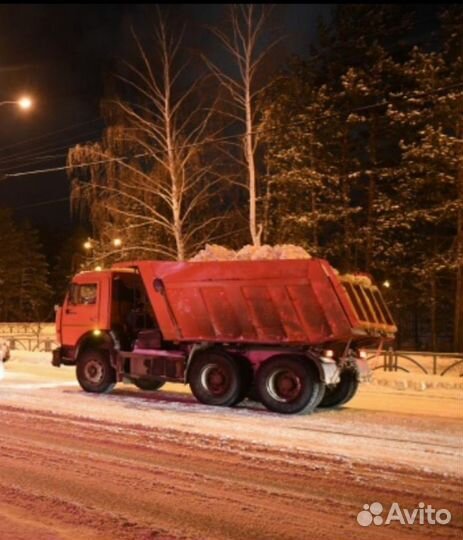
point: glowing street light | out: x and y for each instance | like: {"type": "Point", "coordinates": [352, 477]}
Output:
{"type": "Point", "coordinates": [87, 245]}
{"type": "Point", "coordinates": [117, 242]}
{"type": "Point", "coordinates": [387, 284]}
{"type": "Point", "coordinates": [98, 268]}
{"type": "Point", "coordinates": [24, 103]}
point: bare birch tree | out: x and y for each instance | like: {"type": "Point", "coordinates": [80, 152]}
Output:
{"type": "Point", "coordinates": [153, 175]}
{"type": "Point", "coordinates": [245, 42]}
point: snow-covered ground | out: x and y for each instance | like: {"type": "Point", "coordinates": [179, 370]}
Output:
{"type": "Point", "coordinates": [234, 473]}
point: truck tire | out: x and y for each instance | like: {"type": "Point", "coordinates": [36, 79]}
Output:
{"type": "Point", "coordinates": [147, 385]}
{"type": "Point", "coordinates": [339, 394]}
{"type": "Point", "coordinates": [216, 379]}
{"type": "Point", "coordinates": [289, 385]}
{"type": "Point", "coordinates": [321, 395]}
{"type": "Point", "coordinates": [94, 372]}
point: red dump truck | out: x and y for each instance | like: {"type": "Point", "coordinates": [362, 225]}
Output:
{"type": "Point", "coordinates": [288, 332]}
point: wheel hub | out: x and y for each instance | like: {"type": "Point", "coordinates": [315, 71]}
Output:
{"type": "Point", "coordinates": [94, 371]}
{"type": "Point", "coordinates": [215, 379]}
{"type": "Point", "coordinates": [284, 385]}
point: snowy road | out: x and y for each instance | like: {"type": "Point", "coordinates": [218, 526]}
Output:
{"type": "Point", "coordinates": [131, 465]}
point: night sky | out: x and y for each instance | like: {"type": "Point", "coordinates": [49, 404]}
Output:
{"type": "Point", "coordinates": [61, 55]}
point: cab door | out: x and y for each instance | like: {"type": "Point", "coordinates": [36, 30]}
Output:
{"type": "Point", "coordinates": [83, 309]}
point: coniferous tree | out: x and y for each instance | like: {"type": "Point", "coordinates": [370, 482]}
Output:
{"type": "Point", "coordinates": [429, 192]}
{"type": "Point", "coordinates": [24, 288]}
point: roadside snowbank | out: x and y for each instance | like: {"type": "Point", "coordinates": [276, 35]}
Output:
{"type": "Point", "coordinates": [419, 382]}
{"type": "Point", "coordinates": [30, 357]}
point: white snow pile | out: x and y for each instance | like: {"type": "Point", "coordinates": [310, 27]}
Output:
{"type": "Point", "coordinates": [417, 381]}
{"type": "Point", "coordinates": [358, 279]}
{"type": "Point", "coordinates": [214, 252]}
{"type": "Point", "coordinates": [31, 357]}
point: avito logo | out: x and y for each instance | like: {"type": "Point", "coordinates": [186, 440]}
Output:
{"type": "Point", "coordinates": [372, 514]}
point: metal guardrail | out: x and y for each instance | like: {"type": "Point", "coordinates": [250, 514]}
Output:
{"type": "Point", "coordinates": [429, 363]}
{"type": "Point", "coordinates": [29, 336]}
{"type": "Point", "coordinates": [30, 344]}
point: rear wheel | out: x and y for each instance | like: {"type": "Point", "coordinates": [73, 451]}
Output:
{"type": "Point", "coordinates": [148, 385]}
{"type": "Point", "coordinates": [339, 394]}
{"type": "Point", "coordinates": [289, 385]}
{"type": "Point", "coordinates": [216, 379]}
{"type": "Point", "coordinates": [94, 372]}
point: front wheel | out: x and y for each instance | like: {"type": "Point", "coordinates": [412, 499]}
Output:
{"type": "Point", "coordinates": [148, 385]}
{"type": "Point", "coordinates": [289, 385]}
{"type": "Point", "coordinates": [216, 379]}
{"type": "Point", "coordinates": [94, 372]}
{"type": "Point", "coordinates": [339, 394]}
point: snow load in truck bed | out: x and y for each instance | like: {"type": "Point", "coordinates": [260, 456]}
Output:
{"type": "Point", "coordinates": [214, 252]}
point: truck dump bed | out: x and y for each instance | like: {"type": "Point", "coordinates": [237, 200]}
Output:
{"type": "Point", "coordinates": [300, 302]}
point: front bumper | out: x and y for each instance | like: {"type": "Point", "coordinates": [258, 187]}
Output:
{"type": "Point", "coordinates": [56, 359]}
{"type": "Point", "coordinates": [63, 356]}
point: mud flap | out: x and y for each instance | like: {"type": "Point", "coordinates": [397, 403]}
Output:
{"type": "Point", "coordinates": [362, 370]}
{"type": "Point", "coordinates": [330, 372]}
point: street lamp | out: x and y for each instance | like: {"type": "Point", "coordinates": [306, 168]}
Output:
{"type": "Point", "coordinates": [117, 242]}
{"type": "Point", "coordinates": [24, 103]}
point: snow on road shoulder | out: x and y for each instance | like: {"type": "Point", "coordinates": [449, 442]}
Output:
{"type": "Point", "coordinates": [348, 434]}
{"type": "Point", "coordinates": [397, 427]}
{"type": "Point", "coordinates": [31, 357]}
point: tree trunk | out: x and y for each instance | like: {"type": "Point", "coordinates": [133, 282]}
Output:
{"type": "Point", "coordinates": [255, 231]}
{"type": "Point", "coordinates": [268, 194]}
{"type": "Point", "coordinates": [314, 223]}
{"type": "Point", "coordinates": [179, 243]}
{"type": "Point", "coordinates": [345, 202]}
{"type": "Point", "coordinates": [173, 171]}
{"type": "Point", "coordinates": [458, 322]}
{"type": "Point", "coordinates": [416, 330]}
{"type": "Point", "coordinates": [433, 312]}
{"type": "Point", "coordinates": [371, 194]}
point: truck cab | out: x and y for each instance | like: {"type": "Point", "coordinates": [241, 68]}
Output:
{"type": "Point", "coordinates": [97, 303]}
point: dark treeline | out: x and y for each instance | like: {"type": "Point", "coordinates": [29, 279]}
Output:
{"type": "Point", "coordinates": [24, 276]}
{"type": "Point", "coordinates": [354, 152]}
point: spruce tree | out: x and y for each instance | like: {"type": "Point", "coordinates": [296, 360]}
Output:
{"type": "Point", "coordinates": [24, 288]}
